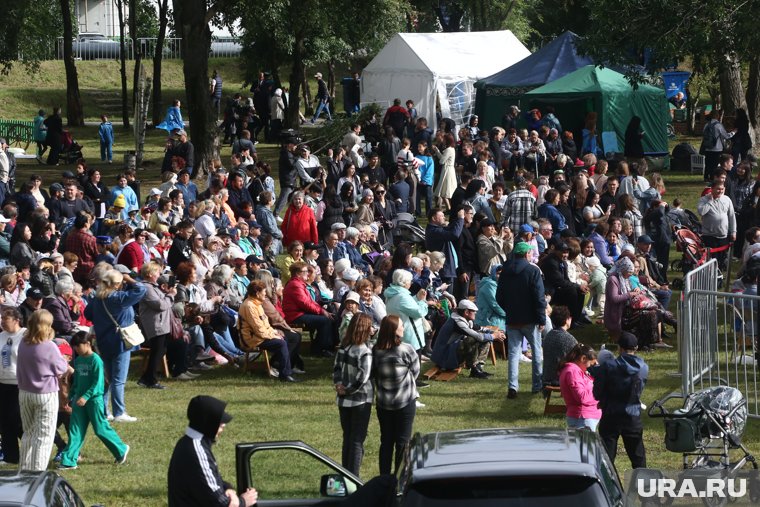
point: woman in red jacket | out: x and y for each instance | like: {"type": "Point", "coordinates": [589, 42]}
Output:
{"type": "Point", "coordinates": [299, 222]}
{"type": "Point", "coordinates": [302, 311]}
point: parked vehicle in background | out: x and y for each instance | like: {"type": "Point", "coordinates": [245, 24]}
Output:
{"type": "Point", "coordinates": [37, 489]}
{"type": "Point", "coordinates": [485, 467]}
{"type": "Point", "coordinates": [91, 46]}
{"type": "Point", "coordinates": [225, 46]}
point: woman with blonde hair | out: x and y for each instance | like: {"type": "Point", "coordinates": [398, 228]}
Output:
{"type": "Point", "coordinates": [111, 309]}
{"type": "Point", "coordinates": [272, 305]}
{"type": "Point", "coordinates": [353, 385]}
{"type": "Point", "coordinates": [38, 367]}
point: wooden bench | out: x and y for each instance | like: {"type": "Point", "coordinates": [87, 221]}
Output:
{"type": "Point", "coordinates": [553, 408]}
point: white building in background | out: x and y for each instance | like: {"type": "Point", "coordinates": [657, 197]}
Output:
{"type": "Point", "coordinates": [99, 16]}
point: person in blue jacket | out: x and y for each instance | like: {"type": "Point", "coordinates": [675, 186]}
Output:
{"type": "Point", "coordinates": [549, 211]}
{"type": "Point", "coordinates": [112, 306]}
{"type": "Point", "coordinates": [490, 314]}
{"type": "Point", "coordinates": [105, 132]}
{"type": "Point", "coordinates": [173, 119]}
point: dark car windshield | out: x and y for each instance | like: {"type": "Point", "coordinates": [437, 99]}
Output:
{"type": "Point", "coordinates": [540, 491]}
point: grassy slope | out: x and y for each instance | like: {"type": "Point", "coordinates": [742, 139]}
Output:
{"type": "Point", "coordinates": [266, 410]}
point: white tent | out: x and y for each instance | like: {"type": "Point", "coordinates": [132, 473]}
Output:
{"type": "Point", "coordinates": [424, 67]}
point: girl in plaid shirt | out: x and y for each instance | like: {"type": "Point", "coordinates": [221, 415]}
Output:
{"type": "Point", "coordinates": [395, 368]}
{"type": "Point", "coordinates": [351, 376]}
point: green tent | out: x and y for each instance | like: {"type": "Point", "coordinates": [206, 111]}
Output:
{"type": "Point", "coordinates": [615, 101]}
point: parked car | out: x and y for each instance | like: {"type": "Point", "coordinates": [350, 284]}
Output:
{"type": "Point", "coordinates": [90, 46]}
{"type": "Point", "coordinates": [536, 467]}
{"type": "Point", "coordinates": [36, 489]}
{"type": "Point", "coordinates": [225, 47]}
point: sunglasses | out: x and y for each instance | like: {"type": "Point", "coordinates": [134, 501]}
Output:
{"type": "Point", "coordinates": [380, 192]}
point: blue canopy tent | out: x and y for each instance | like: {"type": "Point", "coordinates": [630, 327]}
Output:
{"type": "Point", "coordinates": [553, 61]}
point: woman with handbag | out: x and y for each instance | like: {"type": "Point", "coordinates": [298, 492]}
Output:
{"type": "Point", "coordinates": [113, 318]}
{"type": "Point", "coordinates": [155, 309]}
{"type": "Point", "coordinates": [395, 368]}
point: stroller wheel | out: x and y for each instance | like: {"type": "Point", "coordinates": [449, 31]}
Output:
{"type": "Point", "coordinates": [677, 283]}
{"type": "Point", "coordinates": [676, 265]}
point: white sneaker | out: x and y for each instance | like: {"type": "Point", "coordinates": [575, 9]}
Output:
{"type": "Point", "coordinates": [191, 375]}
{"type": "Point", "coordinates": [109, 417]}
{"type": "Point", "coordinates": [120, 461]}
{"type": "Point", "coordinates": [274, 373]}
{"type": "Point", "coordinates": [525, 359]}
{"type": "Point", "coordinates": [184, 376]}
{"type": "Point", "coordinates": [419, 404]}
{"type": "Point", "coordinates": [279, 220]}
{"type": "Point", "coordinates": [589, 312]}
{"type": "Point", "coordinates": [124, 418]}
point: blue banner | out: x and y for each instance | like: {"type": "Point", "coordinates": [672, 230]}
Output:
{"type": "Point", "coordinates": [675, 82]}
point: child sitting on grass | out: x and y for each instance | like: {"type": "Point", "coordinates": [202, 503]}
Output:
{"type": "Point", "coordinates": [87, 405]}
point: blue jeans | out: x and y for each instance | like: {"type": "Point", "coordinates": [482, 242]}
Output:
{"type": "Point", "coordinates": [323, 105]}
{"type": "Point", "coordinates": [582, 422]}
{"type": "Point", "coordinates": [106, 151]}
{"type": "Point", "coordinates": [225, 342]}
{"type": "Point", "coordinates": [515, 339]}
{"type": "Point", "coordinates": [117, 368]}
{"type": "Point", "coordinates": [427, 190]}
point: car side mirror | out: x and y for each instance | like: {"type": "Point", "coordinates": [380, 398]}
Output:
{"type": "Point", "coordinates": [333, 486]}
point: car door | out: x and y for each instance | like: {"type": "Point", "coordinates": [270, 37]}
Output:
{"type": "Point", "coordinates": [291, 474]}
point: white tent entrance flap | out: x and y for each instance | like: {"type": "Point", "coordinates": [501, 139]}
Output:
{"type": "Point", "coordinates": [457, 98]}
{"type": "Point", "coordinates": [426, 67]}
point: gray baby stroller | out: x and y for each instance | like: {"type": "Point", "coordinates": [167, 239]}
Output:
{"type": "Point", "coordinates": [707, 431]}
{"type": "Point", "coordinates": [406, 230]}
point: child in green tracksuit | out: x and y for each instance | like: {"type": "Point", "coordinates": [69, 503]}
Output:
{"type": "Point", "coordinates": [87, 405]}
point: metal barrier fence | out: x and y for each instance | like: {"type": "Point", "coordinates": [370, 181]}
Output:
{"type": "Point", "coordinates": [94, 47]}
{"type": "Point", "coordinates": [17, 132]}
{"type": "Point", "coordinates": [717, 334]}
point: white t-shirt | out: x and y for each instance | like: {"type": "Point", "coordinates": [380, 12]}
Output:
{"type": "Point", "coordinates": [9, 344]}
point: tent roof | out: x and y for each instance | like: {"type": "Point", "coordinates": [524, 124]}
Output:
{"type": "Point", "coordinates": [551, 62]}
{"type": "Point", "coordinates": [590, 79]}
{"type": "Point", "coordinates": [449, 54]}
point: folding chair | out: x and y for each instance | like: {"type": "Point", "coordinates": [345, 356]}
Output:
{"type": "Point", "coordinates": [697, 164]}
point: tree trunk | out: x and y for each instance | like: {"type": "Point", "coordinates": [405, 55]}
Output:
{"type": "Point", "coordinates": [122, 60]}
{"type": "Point", "coordinates": [74, 112]}
{"type": "Point", "coordinates": [297, 77]}
{"type": "Point", "coordinates": [753, 98]}
{"type": "Point", "coordinates": [191, 15]}
{"type": "Point", "coordinates": [331, 78]}
{"type": "Point", "coordinates": [136, 49]}
{"type": "Point", "coordinates": [163, 20]}
{"type": "Point", "coordinates": [731, 89]}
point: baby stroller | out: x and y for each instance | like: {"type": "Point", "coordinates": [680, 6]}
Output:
{"type": "Point", "coordinates": [72, 151]}
{"type": "Point", "coordinates": [694, 253]}
{"type": "Point", "coordinates": [705, 431]}
{"type": "Point", "coordinates": [406, 230]}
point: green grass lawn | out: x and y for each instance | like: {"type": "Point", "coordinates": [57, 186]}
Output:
{"type": "Point", "coordinates": [265, 409]}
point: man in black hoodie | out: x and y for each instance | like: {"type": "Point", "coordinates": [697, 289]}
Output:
{"type": "Point", "coordinates": [618, 384]}
{"type": "Point", "coordinates": [194, 478]}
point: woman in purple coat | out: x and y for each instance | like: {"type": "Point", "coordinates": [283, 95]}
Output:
{"type": "Point", "coordinates": [618, 293]}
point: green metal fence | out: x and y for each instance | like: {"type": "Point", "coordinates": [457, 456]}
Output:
{"type": "Point", "coordinates": [17, 132]}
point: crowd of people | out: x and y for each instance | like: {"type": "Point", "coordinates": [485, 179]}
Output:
{"type": "Point", "coordinates": [528, 237]}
